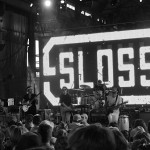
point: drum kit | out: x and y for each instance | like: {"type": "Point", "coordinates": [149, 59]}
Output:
{"type": "Point", "coordinates": [123, 123]}
{"type": "Point", "coordinates": [85, 96]}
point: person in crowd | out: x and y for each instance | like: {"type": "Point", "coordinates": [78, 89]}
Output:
{"type": "Point", "coordinates": [61, 125]}
{"type": "Point", "coordinates": [113, 103]}
{"type": "Point", "coordinates": [62, 140]}
{"type": "Point", "coordinates": [140, 140]}
{"type": "Point", "coordinates": [2, 138]}
{"type": "Point", "coordinates": [45, 130]}
{"type": "Point", "coordinates": [92, 137]}
{"type": "Point", "coordinates": [126, 134]}
{"type": "Point", "coordinates": [11, 120]}
{"type": "Point", "coordinates": [137, 143]}
{"type": "Point", "coordinates": [76, 123]}
{"type": "Point", "coordinates": [28, 122]}
{"type": "Point", "coordinates": [140, 122]}
{"type": "Point", "coordinates": [121, 141]}
{"type": "Point", "coordinates": [139, 125]}
{"type": "Point", "coordinates": [113, 124]}
{"type": "Point", "coordinates": [9, 135]}
{"type": "Point", "coordinates": [36, 122]}
{"type": "Point", "coordinates": [29, 140]}
{"type": "Point", "coordinates": [141, 135]}
{"type": "Point", "coordinates": [29, 102]}
{"type": "Point", "coordinates": [15, 136]}
{"type": "Point", "coordinates": [97, 124]}
{"type": "Point", "coordinates": [66, 105]}
{"type": "Point", "coordinates": [84, 119]}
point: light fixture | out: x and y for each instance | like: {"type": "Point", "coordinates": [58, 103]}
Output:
{"type": "Point", "coordinates": [48, 3]}
{"type": "Point", "coordinates": [62, 1]}
{"type": "Point", "coordinates": [62, 4]}
{"type": "Point", "coordinates": [31, 4]}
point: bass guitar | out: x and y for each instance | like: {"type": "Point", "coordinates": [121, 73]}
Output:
{"type": "Point", "coordinates": [27, 105]}
{"type": "Point", "coordinates": [110, 109]}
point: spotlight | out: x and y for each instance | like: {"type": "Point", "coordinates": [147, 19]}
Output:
{"type": "Point", "coordinates": [48, 3]}
{"type": "Point", "coordinates": [31, 4]}
{"type": "Point", "coordinates": [98, 19]}
{"type": "Point", "coordinates": [62, 5]}
{"type": "Point", "coordinates": [62, 1]}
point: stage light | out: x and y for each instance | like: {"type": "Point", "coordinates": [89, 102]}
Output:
{"type": "Point", "coordinates": [48, 3]}
{"type": "Point", "coordinates": [63, 5]}
{"type": "Point", "coordinates": [62, 1]}
{"type": "Point", "coordinates": [31, 4]}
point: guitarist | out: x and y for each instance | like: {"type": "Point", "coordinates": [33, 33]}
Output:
{"type": "Point", "coordinates": [29, 99]}
{"type": "Point", "coordinates": [65, 105]}
{"type": "Point", "coordinates": [112, 100]}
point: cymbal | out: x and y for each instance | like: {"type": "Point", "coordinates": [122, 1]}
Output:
{"type": "Point", "coordinates": [85, 86]}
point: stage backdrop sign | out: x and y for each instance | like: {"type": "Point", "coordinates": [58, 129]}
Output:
{"type": "Point", "coordinates": [120, 58]}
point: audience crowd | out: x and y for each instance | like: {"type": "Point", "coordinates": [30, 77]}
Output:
{"type": "Point", "coordinates": [37, 134]}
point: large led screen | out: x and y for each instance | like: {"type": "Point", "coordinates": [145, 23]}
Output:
{"type": "Point", "coordinates": [120, 58]}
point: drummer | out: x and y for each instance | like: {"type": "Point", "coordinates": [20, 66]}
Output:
{"type": "Point", "coordinates": [100, 88]}
{"type": "Point", "coordinates": [96, 100]}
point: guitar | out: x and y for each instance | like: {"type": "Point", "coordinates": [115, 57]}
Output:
{"type": "Point", "coordinates": [28, 104]}
{"type": "Point", "coordinates": [110, 109]}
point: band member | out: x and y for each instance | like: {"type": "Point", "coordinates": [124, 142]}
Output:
{"type": "Point", "coordinates": [29, 102]}
{"type": "Point", "coordinates": [96, 100]}
{"type": "Point", "coordinates": [66, 105]}
{"type": "Point", "coordinates": [100, 88]}
{"type": "Point", "coordinates": [112, 101]}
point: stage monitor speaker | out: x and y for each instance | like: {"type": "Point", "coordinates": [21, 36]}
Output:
{"type": "Point", "coordinates": [145, 116]}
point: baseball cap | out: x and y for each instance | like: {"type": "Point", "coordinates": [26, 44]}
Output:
{"type": "Point", "coordinates": [29, 140]}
